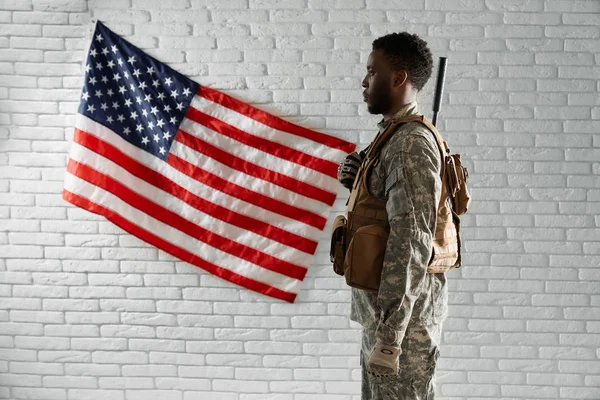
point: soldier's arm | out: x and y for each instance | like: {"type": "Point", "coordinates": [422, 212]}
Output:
{"type": "Point", "coordinates": [413, 187]}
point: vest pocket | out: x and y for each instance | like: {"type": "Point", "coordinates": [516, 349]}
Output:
{"type": "Point", "coordinates": [364, 259]}
{"type": "Point", "coordinates": [338, 244]}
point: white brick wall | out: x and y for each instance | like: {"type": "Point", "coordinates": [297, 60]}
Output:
{"type": "Point", "coordinates": [89, 312]}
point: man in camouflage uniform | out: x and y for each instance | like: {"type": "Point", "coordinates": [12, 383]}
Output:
{"type": "Point", "coordinates": [402, 323]}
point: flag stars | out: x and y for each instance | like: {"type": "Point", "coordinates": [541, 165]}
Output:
{"type": "Point", "coordinates": [150, 70]}
{"type": "Point", "coordinates": [91, 108]}
{"type": "Point", "coordinates": [87, 68]}
{"type": "Point", "coordinates": [104, 79]}
{"type": "Point", "coordinates": [132, 87]}
{"type": "Point", "coordinates": [150, 125]}
{"type": "Point", "coordinates": [122, 89]}
{"type": "Point", "coordinates": [180, 106]}
{"type": "Point", "coordinates": [99, 38]}
{"type": "Point", "coordinates": [156, 137]}
{"type": "Point", "coordinates": [119, 61]}
{"type": "Point", "coordinates": [116, 77]}
{"type": "Point", "coordinates": [136, 73]}
{"type": "Point", "coordinates": [166, 135]}
{"type": "Point", "coordinates": [115, 105]}
{"type": "Point", "coordinates": [99, 66]}
{"type": "Point", "coordinates": [173, 120]}
{"type": "Point", "coordinates": [93, 53]}
{"type": "Point", "coordinates": [168, 81]}
{"type": "Point", "coordinates": [85, 96]}
{"type": "Point", "coordinates": [110, 64]}
{"type": "Point", "coordinates": [139, 128]}
{"type": "Point", "coordinates": [92, 80]}
{"type": "Point", "coordinates": [114, 49]}
{"type": "Point", "coordinates": [126, 74]}
{"type": "Point", "coordinates": [109, 119]}
{"type": "Point", "coordinates": [133, 115]}
{"type": "Point", "coordinates": [131, 60]}
{"type": "Point", "coordinates": [154, 110]}
{"type": "Point", "coordinates": [161, 96]}
{"type": "Point", "coordinates": [128, 102]}
{"type": "Point", "coordinates": [145, 113]}
{"type": "Point", "coordinates": [174, 93]}
{"type": "Point", "coordinates": [120, 118]}
{"type": "Point", "coordinates": [143, 85]}
{"type": "Point", "coordinates": [147, 98]}
{"type": "Point", "coordinates": [126, 130]}
{"type": "Point", "coordinates": [167, 108]}
{"type": "Point", "coordinates": [104, 106]}
{"type": "Point", "coordinates": [161, 150]}
{"type": "Point", "coordinates": [104, 51]}
{"type": "Point", "coordinates": [98, 93]}
{"type": "Point", "coordinates": [160, 123]}
{"type": "Point", "coordinates": [145, 140]}
{"type": "Point", "coordinates": [110, 92]}
{"type": "Point", "coordinates": [186, 92]}
{"type": "Point", "coordinates": [155, 83]}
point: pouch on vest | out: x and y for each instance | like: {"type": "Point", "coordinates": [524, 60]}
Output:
{"type": "Point", "coordinates": [337, 250]}
{"type": "Point", "coordinates": [364, 259]}
{"type": "Point", "coordinates": [457, 184]}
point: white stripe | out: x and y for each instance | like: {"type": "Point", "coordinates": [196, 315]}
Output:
{"type": "Point", "coordinates": [260, 158]}
{"type": "Point", "coordinates": [179, 207]}
{"type": "Point", "coordinates": [259, 129]}
{"type": "Point", "coordinates": [178, 238]}
{"type": "Point", "coordinates": [265, 188]}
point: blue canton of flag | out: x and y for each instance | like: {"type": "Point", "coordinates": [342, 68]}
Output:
{"type": "Point", "coordinates": [133, 94]}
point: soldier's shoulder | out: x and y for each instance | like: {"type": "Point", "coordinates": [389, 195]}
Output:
{"type": "Point", "coordinates": [411, 137]}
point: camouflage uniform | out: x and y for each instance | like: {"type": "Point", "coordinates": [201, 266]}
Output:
{"type": "Point", "coordinates": [411, 305]}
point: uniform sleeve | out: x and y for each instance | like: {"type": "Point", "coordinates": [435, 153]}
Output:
{"type": "Point", "coordinates": [413, 190]}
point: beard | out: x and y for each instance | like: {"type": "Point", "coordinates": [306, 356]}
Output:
{"type": "Point", "coordinates": [381, 102]}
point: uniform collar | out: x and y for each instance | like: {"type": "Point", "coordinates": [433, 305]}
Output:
{"type": "Point", "coordinates": [409, 109]}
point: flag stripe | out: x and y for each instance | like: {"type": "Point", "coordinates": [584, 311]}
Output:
{"type": "Point", "coordinates": [176, 237]}
{"type": "Point", "coordinates": [179, 252]}
{"type": "Point", "coordinates": [273, 121]}
{"type": "Point", "coordinates": [258, 157]}
{"type": "Point", "coordinates": [170, 218]}
{"type": "Point", "coordinates": [222, 171]}
{"type": "Point", "coordinates": [276, 149]}
{"type": "Point", "coordinates": [259, 129]}
{"type": "Point", "coordinates": [168, 186]}
{"type": "Point", "coordinates": [254, 170]}
{"type": "Point", "coordinates": [244, 194]}
{"type": "Point", "coordinates": [178, 205]}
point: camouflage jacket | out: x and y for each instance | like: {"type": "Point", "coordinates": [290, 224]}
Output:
{"type": "Point", "coordinates": [407, 177]}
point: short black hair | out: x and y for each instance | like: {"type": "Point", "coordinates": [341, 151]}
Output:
{"type": "Point", "coordinates": [409, 52]}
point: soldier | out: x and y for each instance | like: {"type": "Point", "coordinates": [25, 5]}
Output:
{"type": "Point", "coordinates": [402, 322]}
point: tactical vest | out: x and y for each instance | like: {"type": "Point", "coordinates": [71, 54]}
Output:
{"type": "Point", "coordinates": [359, 240]}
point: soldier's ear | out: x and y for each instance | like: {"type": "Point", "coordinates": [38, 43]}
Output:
{"type": "Point", "coordinates": [399, 78]}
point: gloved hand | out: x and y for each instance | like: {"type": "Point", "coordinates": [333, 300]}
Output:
{"type": "Point", "coordinates": [348, 168]}
{"type": "Point", "coordinates": [383, 360]}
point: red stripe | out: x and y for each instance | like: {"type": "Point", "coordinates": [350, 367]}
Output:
{"type": "Point", "coordinates": [170, 218]}
{"type": "Point", "coordinates": [247, 195]}
{"type": "Point", "coordinates": [177, 251]}
{"type": "Point", "coordinates": [160, 181]}
{"type": "Point", "coordinates": [257, 171]}
{"type": "Point", "coordinates": [278, 150]}
{"type": "Point", "coordinates": [273, 121]}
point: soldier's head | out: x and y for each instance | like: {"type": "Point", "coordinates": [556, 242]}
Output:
{"type": "Point", "coordinates": [397, 69]}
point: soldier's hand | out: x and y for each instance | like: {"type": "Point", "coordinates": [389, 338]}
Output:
{"type": "Point", "coordinates": [348, 168]}
{"type": "Point", "coordinates": [383, 360]}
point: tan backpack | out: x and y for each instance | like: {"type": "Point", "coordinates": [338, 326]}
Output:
{"type": "Point", "coordinates": [358, 239]}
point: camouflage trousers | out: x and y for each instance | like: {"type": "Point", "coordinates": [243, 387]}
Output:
{"type": "Point", "coordinates": [416, 377]}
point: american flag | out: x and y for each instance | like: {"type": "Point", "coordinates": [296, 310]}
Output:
{"type": "Point", "coordinates": [216, 182]}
